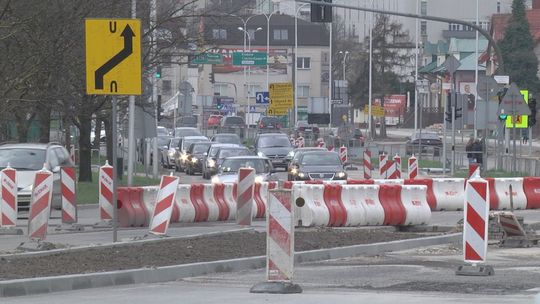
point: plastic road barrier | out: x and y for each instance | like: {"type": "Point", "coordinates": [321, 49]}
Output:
{"type": "Point", "coordinates": [313, 211]}
{"type": "Point", "coordinates": [531, 187]}
{"type": "Point", "coordinates": [350, 197]}
{"type": "Point", "coordinates": [164, 205]}
{"type": "Point", "coordinates": [8, 206]}
{"type": "Point", "coordinates": [40, 205]}
{"type": "Point", "coordinates": [332, 199]}
{"type": "Point", "coordinates": [196, 196]}
{"type": "Point", "coordinates": [394, 211]}
{"type": "Point", "coordinates": [475, 228]}
{"type": "Point", "coordinates": [106, 205]}
{"type": "Point", "coordinates": [210, 202]}
{"type": "Point", "coordinates": [502, 190]}
{"type": "Point", "coordinates": [449, 193]}
{"type": "Point", "coordinates": [69, 201]}
{"type": "Point", "coordinates": [219, 197]}
{"type": "Point", "coordinates": [417, 209]}
{"type": "Point", "coordinates": [186, 208]}
{"type": "Point", "coordinates": [389, 181]}
{"type": "Point", "coordinates": [430, 196]}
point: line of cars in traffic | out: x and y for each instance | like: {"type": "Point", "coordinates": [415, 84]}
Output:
{"type": "Point", "coordinates": [219, 158]}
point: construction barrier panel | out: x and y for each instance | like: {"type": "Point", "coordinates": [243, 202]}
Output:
{"type": "Point", "coordinates": [449, 193]}
{"type": "Point", "coordinates": [8, 207]}
{"type": "Point", "coordinates": [395, 172]}
{"type": "Point", "coordinates": [163, 208]}
{"type": "Point", "coordinates": [69, 200]}
{"type": "Point", "coordinates": [531, 187]}
{"type": "Point", "coordinates": [313, 211]}
{"type": "Point", "coordinates": [413, 198]}
{"type": "Point", "coordinates": [430, 196]}
{"type": "Point", "coordinates": [210, 202]}
{"type": "Point", "coordinates": [343, 155]}
{"type": "Point", "coordinates": [412, 167]}
{"type": "Point", "coordinates": [332, 199]}
{"type": "Point", "coordinates": [385, 166]}
{"type": "Point", "coordinates": [244, 200]}
{"type": "Point", "coordinates": [475, 227]}
{"type": "Point", "coordinates": [368, 166]}
{"type": "Point", "coordinates": [394, 211]}
{"type": "Point", "coordinates": [502, 190]}
{"type": "Point", "coordinates": [474, 167]}
{"type": "Point", "coordinates": [106, 205]}
{"type": "Point", "coordinates": [40, 205]}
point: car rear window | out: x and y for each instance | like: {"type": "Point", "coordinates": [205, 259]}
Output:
{"type": "Point", "coordinates": [234, 121]}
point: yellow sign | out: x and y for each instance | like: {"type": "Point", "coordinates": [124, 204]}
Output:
{"type": "Point", "coordinates": [522, 121]}
{"type": "Point", "coordinates": [113, 56]}
{"type": "Point", "coordinates": [277, 111]}
{"type": "Point", "coordinates": [281, 90]}
{"type": "Point", "coordinates": [376, 111]}
{"type": "Point", "coordinates": [281, 102]}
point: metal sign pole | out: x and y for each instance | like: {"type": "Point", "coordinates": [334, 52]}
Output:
{"type": "Point", "coordinates": [115, 166]}
{"type": "Point", "coordinates": [514, 164]}
{"type": "Point", "coordinates": [453, 151]}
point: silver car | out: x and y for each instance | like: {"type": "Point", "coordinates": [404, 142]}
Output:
{"type": "Point", "coordinates": [29, 158]}
{"type": "Point", "coordinates": [228, 171]}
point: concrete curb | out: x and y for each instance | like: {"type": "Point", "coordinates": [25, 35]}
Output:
{"type": "Point", "coordinates": [172, 273]}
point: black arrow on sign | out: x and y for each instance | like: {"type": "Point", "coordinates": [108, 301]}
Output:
{"type": "Point", "coordinates": [128, 35]}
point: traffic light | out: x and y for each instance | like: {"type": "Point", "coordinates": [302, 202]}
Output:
{"type": "Point", "coordinates": [321, 13]}
{"type": "Point", "coordinates": [457, 112]}
{"type": "Point", "coordinates": [212, 78]}
{"type": "Point", "coordinates": [503, 116]}
{"type": "Point", "coordinates": [532, 117]}
{"type": "Point", "coordinates": [159, 109]}
{"type": "Point", "coordinates": [158, 72]}
{"type": "Point", "coordinates": [448, 111]}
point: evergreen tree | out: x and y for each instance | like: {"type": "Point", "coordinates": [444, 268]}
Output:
{"type": "Point", "coordinates": [517, 48]}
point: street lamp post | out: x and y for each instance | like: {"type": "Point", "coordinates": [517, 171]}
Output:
{"type": "Point", "coordinates": [246, 33]}
{"type": "Point", "coordinates": [345, 54]}
{"type": "Point", "coordinates": [296, 62]}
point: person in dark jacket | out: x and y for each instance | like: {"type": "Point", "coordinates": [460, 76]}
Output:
{"type": "Point", "coordinates": [478, 148]}
{"type": "Point", "coordinates": [468, 149]}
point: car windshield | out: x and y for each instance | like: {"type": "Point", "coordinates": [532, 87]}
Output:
{"type": "Point", "coordinates": [214, 150]}
{"type": "Point", "coordinates": [233, 152]}
{"type": "Point", "coordinates": [163, 141]}
{"type": "Point", "coordinates": [22, 159]}
{"type": "Point", "coordinates": [233, 165]}
{"type": "Point", "coordinates": [273, 141]}
{"type": "Point", "coordinates": [234, 120]}
{"type": "Point", "coordinates": [321, 159]}
{"type": "Point", "coordinates": [181, 132]}
{"type": "Point", "coordinates": [188, 143]}
{"type": "Point", "coordinates": [174, 142]}
{"type": "Point", "coordinates": [199, 148]}
{"type": "Point", "coordinates": [227, 139]}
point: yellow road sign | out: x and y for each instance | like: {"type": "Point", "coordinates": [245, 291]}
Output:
{"type": "Point", "coordinates": [113, 56]}
{"type": "Point", "coordinates": [281, 90]}
{"type": "Point", "coordinates": [282, 102]}
{"type": "Point", "coordinates": [376, 111]}
{"type": "Point", "coordinates": [277, 111]}
{"type": "Point", "coordinates": [522, 121]}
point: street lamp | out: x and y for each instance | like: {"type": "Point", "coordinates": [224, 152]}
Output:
{"type": "Point", "coordinates": [345, 54]}
{"type": "Point", "coordinates": [246, 33]}
{"type": "Point", "coordinates": [296, 62]}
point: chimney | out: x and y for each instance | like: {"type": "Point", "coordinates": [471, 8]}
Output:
{"type": "Point", "coordinates": [536, 4]}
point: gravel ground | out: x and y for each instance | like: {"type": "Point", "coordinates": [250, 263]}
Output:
{"type": "Point", "coordinates": [183, 251]}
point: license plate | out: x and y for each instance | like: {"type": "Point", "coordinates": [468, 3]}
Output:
{"type": "Point", "coordinates": [277, 161]}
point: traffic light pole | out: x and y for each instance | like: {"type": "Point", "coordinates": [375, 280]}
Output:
{"type": "Point", "coordinates": [514, 161]}
{"type": "Point", "coordinates": [453, 164]}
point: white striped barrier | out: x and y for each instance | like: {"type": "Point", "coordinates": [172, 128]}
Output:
{"type": "Point", "coordinates": [475, 228]}
{"type": "Point", "coordinates": [412, 167]}
{"type": "Point", "coordinates": [163, 208]}
{"type": "Point", "coordinates": [40, 205]}
{"type": "Point", "coordinates": [395, 170]}
{"type": "Point", "coordinates": [368, 166]}
{"type": "Point", "coordinates": [356, 213]}
{"type": "Point", "coordinates": [8, 206]}
{"type": "Point", "coordinates": [384, 165]}
{"type": "Point", "coordinates": [244, 199]}
{"type": "Point", "coordinates": [279, 245]}
{"type": "Point", "coordinates": [474, 168]}
{"type": "Point", "coordinates": [106, 204]}
{"type": "Point", "coordinates": [69, 198]}
{"type": "Point", "coordinates": [343, 154]}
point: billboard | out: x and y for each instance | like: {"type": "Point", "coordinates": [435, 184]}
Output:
{"type": "Point", "coordinates": [394, 108]}
{"type": "Point", "coordinates": [277, 62]}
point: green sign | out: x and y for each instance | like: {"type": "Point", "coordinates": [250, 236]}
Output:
{"type": "Point", "coordinates": [250, 58]}
{"type": "Point", "coordinates": [208, 58]}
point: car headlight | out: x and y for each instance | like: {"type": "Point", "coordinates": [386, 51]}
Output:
{"type": "Point", "coordinates": [215, 179]}
{"type": "Point", "coordinates": [294, 171]}
{"type": "Point", "coordinates": [261, 154]}
{"type": "Point", "coordinates": [211, 163]}
{"type": "Point", "coordinates": [259, 179]}
{"type": "Point", "coordinates": [341, 174]}
{"type": "Point", "coordinates": [301, 175]}
{"type": "Point", "coordinates": [183, 157]}
{"type": "Point", "coordinates": [194, 159]}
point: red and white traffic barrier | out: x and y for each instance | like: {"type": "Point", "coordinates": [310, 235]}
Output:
{"type": "Point", "coordinates": [412, 167]}
{"type": "Point", "coordinates": [475, 228]}
{"type": "Point", "coordinates": [211, 202]}
{"type": "Point", "coordinates": [184, 204]}
{"type": "Point", "coordinates": [417, 210]}
{"type": "Point", "coordinates": [313, 210]}
{"type": "Point", "coordinates": [368, 166]}
{"type": "Point", "coordinates": [300, 142]}
{"type": "Point", "coordinates": [502, 190]}
{"type": "Point", "coordinates": [40, 205]}
{"type": "Point", "coordinates": [531, 187]}
{"type": "Point", "coordinates": [244, 200]}
{"type": "Point", "coordinates": [396, 168]}
{"type": "Point", "coordinates": [69, 200]}
{"type": "Point", "coordinates": [8, 205]}
{"type": "Point", "coordinates": [474, 168]}
{"type": "Point", "coordinates": [106, 204]}
{"type": "Point", "coordinates": [385, 165]}
{"type": "Point", "coordinates": [331, 148]}
{"type": "Point", "coordinates": [343, 154]}
{"type": "Point", "coordinates": [161, 216]}
{"type": "Point", "coordinates": [280, 236]}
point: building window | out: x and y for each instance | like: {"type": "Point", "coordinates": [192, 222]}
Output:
{"type": "Point", "coordinates": [254, 88]}
{"type": "Point", "coordinates": [303, 91]}
{"type": "Point", "coordinates": [219, 34]}
{"type": "Point", "coordinates": [281, 34]}
{"type": "Point", "coordinates": [303, 63]}
{"type": "Point", "coordinates": [498, 7]}
{"type": "Point", "coordinates": [166, 87]}
{"type": "Point", "coordinates": [220, 89]}
{"type": "Point", "coordinates": [454, 27]}
{"type": "Point", "coordinates": [423, 28]}
{"type": "Point", "coordinates": [423, 8]}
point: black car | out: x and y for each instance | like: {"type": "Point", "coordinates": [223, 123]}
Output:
{"type": "Point", "coordinates": [306, 130]}
{"type": "Point", "coordinates": [233, 124]}
{"type": "Point", "coordinates": [195, 157]}
{"type": "Point", "coordinates": [209, 166]}
{"type": "Point", "coordinates": [316, 165]}
{"type": "Point", "coordinates": [425, 142]}
{"type": "Point", "coordinates": [226, 138]}
{"type": "Point", "coordinates": [274, 146]}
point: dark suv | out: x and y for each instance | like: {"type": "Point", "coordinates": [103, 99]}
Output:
{"type": "Point", "coordinates": [269, 123]}
{"type": "Point", "coordinates": [274, 146]}
{"type": "Point", "coordinates": [233, 124]}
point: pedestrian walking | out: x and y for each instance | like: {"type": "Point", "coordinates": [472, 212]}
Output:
{"type": "Point", "coordinates": [478, 150]}
{"type": "Point", "coordinates": [469, 150]}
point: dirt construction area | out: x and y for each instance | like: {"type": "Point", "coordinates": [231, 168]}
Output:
{"type": "Point", "coordinates": [167, 252]}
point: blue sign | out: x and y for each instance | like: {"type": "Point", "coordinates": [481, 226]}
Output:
{"type": "Point", "coordinates": [262, 98]}
{"type": "Point", "coordinates": [252, 108]}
